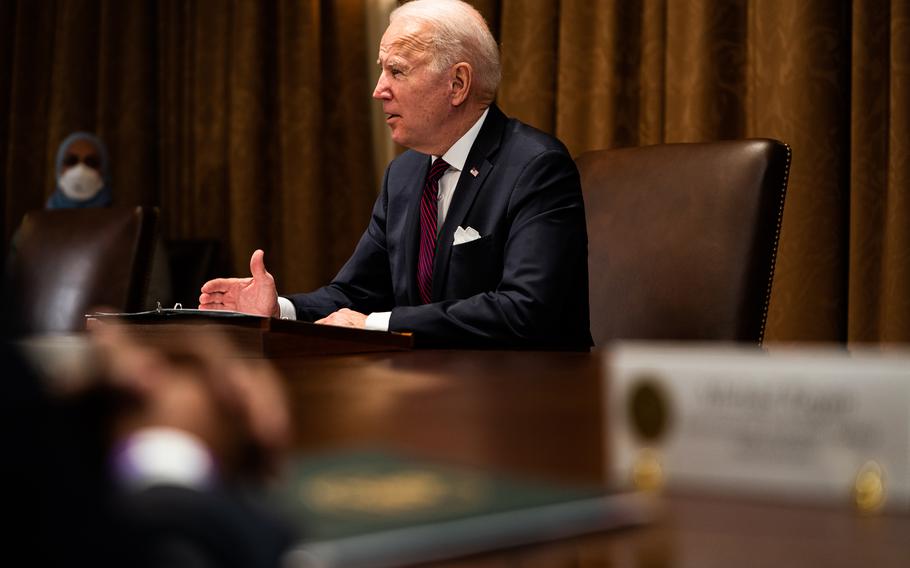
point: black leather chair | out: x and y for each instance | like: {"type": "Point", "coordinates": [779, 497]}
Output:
{"type": "Point", "coordinates": [66, 261]}
{"type": "Point", "coordinates": [192, 263]}
{"type": "Point", "coordinates": [683, 238]}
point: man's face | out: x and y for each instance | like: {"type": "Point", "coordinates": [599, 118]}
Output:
{"type": "Point", "coordinates": [415, 99]}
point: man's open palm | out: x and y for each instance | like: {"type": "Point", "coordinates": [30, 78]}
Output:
{"type": "Point", "coordinates": [254, 295]}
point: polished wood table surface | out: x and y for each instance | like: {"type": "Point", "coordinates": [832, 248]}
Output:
{"type": "Point", "coordinates": [540, 414]}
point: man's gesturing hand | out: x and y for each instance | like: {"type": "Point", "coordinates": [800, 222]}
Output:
{"type": "Point", "coordinates": [254, 295]}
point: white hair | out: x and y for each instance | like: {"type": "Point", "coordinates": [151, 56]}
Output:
{"type": "Point", "coordinates": [458, 33]}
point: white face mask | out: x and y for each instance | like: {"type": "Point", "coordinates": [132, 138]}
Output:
{"type": "Point", "coordinates": [81, 183]}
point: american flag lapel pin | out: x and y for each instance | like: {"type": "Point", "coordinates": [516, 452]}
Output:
{"type": "Point", "coordinates": [474, 172]}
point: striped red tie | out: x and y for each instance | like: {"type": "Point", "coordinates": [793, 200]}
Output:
{"type": "Point", "coordinates": [428, 217]}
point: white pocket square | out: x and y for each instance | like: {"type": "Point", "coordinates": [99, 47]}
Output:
{"type": "Point", "coordinates": [463, 236]}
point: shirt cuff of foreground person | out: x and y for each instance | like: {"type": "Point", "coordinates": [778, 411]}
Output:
{"type": "Point", "coordinates": [163, 456]}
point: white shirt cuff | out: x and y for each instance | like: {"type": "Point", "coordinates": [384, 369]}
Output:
{"type": "Point", "coordinates": [163, 456]}
{"type": "Point", "coordinates": [286, 309]}
{"type": "Point", "coordinates": [378, 321]}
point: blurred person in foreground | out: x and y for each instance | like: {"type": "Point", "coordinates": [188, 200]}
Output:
{"type": "Point", "coordinates": [154, 463]}
{"type": "Point", "coordinates": [478, 236]}
{"type": "Point", "coordinates": [82, 171]}
{"type": "Point", "coordinates": [194, 433]}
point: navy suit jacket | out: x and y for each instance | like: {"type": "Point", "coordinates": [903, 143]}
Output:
{"type": "Point", "coordinates": [523, 284]}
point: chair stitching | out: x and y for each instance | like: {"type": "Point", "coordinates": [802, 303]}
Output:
{"type": "Point", "coordinates": [780, 219]}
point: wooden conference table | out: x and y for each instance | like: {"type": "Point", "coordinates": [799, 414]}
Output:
{"type": "Point", "coordinates": [541, 413]}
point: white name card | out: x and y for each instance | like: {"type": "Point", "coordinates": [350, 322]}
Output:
{"type": "Point", "coordinates": [810, 425]}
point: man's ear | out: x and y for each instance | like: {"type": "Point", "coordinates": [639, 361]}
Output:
{"type": "Point", "coordinates": [462, 75]}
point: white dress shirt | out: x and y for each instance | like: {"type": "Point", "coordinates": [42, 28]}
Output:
{"type": "Point", "coordinates": [455, 156]}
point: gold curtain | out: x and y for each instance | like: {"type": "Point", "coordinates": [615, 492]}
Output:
{"type": "Point", "coordinates": [829, 78]}
{"type": "Point", "coordinates": [270, 103]}
{"type": "Point", "coordinates": [249, 121]}
{"type": "Point", "coordinates": [244, 121]}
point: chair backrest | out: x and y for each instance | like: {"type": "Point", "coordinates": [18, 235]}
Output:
{"type": "Point", "coordinates": [66, 261]}
{"type": "Point", "coordinates": [683, 238]}
{"type": "Point", "coordinates": [193, 262]}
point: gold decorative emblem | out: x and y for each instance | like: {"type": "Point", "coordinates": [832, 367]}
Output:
{"type": "Point", "coordinates": [647, 473]}
{"type": "Point", "coordinates": [389, 493]}
{"type": "Point", "coordinates": [869, 488]}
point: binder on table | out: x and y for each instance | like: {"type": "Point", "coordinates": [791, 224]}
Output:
{"type": "Point", "coordinates": [373, 508]}
{"type": "Point", "coordinates": [258, 336]}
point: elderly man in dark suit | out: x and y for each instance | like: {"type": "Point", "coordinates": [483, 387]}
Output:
{"type": "Point", "coordinates": [478, 237]}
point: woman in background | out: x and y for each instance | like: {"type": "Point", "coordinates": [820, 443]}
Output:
{"type": "Point", "coordinates": [82, 173]}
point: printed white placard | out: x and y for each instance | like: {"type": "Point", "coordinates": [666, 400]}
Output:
{"type": "Point", "coordinates": [799, 424]}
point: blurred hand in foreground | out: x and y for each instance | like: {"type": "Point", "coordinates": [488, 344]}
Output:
{"type": "Point", "coordinates": [236, 407]}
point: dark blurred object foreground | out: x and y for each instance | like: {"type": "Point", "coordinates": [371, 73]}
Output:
{"type": "Point", "coordinates": [69, 506]}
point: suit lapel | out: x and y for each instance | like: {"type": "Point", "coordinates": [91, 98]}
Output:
{"type": "Point", "coordinates": [466, 192]}
{"type": "Point", "coordinates": [414, 189]}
